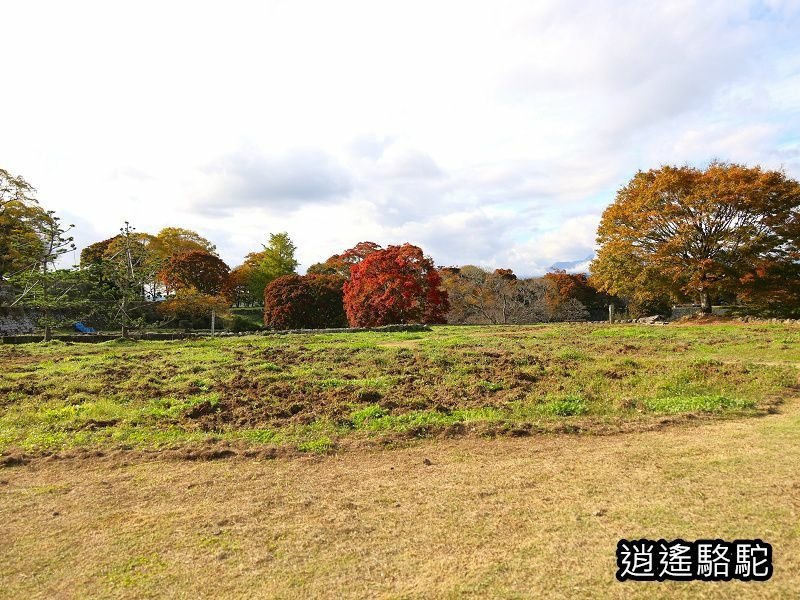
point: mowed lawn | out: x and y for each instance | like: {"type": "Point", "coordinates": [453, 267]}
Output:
{"type": "Point", "coordinates": [463, 462]}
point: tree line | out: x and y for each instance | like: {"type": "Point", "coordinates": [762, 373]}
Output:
{"type": "Point", "coordinates": [723, 234]}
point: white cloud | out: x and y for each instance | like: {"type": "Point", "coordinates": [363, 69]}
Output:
{"type": "Point", "coordinates": [572, 238]}
{"type": "Point", "coordinates": [281, 183]}
{"type": "Point", "coordinates": [490, 133]}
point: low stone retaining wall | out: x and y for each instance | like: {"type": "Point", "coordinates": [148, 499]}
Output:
{"type": "Point", "coordinates": [94, 338]}
{"type": "Point", "coordinates": [105, 337]}
{"type": "Point", "coordinates": [14, 321]}
{"type": "Point", "coordinates": [383, 328]}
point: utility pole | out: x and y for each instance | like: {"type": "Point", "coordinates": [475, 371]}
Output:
{"type": "Point", "coordinates": [126, 233]}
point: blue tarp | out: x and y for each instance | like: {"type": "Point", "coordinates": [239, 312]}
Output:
{"type": "Point", "coordinates": [80, 327]}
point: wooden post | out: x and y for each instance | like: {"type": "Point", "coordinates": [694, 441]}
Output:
{"type": "Point", "coordinates": [213, 320]}
{"type": "Point", "coordinates": [610, 313]}
{"type": "Point", "coordinates": [125, 317]}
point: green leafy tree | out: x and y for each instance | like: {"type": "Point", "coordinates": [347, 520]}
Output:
{"type": "Point", "coordinates": [93, 266]}
{"type": "Point", "coordinates": [275, 260]}
{"type": "Point", "coordinates": [43, 279]}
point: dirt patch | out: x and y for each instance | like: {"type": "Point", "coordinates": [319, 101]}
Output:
{"type": "Point", "coordinates": [203, 409]}
{"type": "Point", "coordinates": [14, 458]}
{"type": "Point", "coordinates": [209, 450]}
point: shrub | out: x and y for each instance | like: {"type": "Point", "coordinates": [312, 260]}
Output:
{"type": "Point", "coordinates": [651, 306]}
{"type": "Point", "coordinates": [304, 302]}
{"type": "Point", "coordinates": [239, 323]}
{"type": "Point", "coordinates": [190, 305]}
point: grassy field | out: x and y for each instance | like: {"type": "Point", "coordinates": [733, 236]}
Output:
{"type": "Point", "coordinates": [462, 462]}
{"type": "Point", "coordinates": [535, 517]}
{"type": "Point", "coordinates": [320, 393]}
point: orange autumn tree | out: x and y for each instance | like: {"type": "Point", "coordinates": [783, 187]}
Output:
{"type": "Point", "coordinates": [189, 303]}
{"type": "Point", "coordinates": [564, 288]}
{"type": "Point", "coordinates": [773, 289]}
{"type": "Point", "coordinates": [339, 264]}
{"type": "Point", "coordinates": [699, 233]}
{"type": "Point", "coordinates": [398, 284]}
{"type": "Point", "coordinates": [174, 241]}
{"type": "Point", "coordinates": [196, 269]}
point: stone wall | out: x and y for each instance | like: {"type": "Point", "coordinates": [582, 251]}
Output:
{"type": "Point", "coordinates": [684, 311]}
{"type": "Point", "coordinates": [157, 335]}
{"type": "Point", "coordinates": [14, 321]}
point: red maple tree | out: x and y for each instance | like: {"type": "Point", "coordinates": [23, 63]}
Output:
{"type": "Point", "coordinates": [398, 284]}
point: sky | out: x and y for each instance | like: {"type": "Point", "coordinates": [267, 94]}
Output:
{"type": "Point", "coordinates": [488, 133]}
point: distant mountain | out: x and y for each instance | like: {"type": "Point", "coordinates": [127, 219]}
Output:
{"type": "Point", "coordinates": [572, 266]}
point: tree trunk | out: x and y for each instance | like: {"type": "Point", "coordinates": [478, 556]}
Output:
{"type": "Point", "coordinates": [705, 302]}
{"type": "Point", "coordinates": [48, 333]}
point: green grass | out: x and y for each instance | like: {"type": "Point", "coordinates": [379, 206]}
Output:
{"type": "Point", "coordinates": [569, 406]}
{"type": "Point", "coordinates": [708, 403]}
{"type": "Point", "coordinates": [320, 445]}
{"type": "Point", "coordinates": [313, 391]}
{"type": "Point", "coordinates": [134, 572]}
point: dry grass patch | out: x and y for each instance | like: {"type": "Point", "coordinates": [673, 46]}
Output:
{"type": "Point", "coordinates": [508, 518]}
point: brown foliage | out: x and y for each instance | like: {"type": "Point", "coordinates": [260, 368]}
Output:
{"type": "Point", "coordinates": [339, 264]}
{"type": "Point", "coordinates": [694, 233]}
{"type": "Point", "coordinates": [237, 289]}
{"type": "Point", "coordinates": [564, 287]}
{"type": "Point", "coordinates": [198, 269]}
{"type": "Point", "coordinates": [189, 303]}
{"type": "Point", "coordinates": [480, 297]}
{"type": "Point", "coordinates": [304, 302]}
